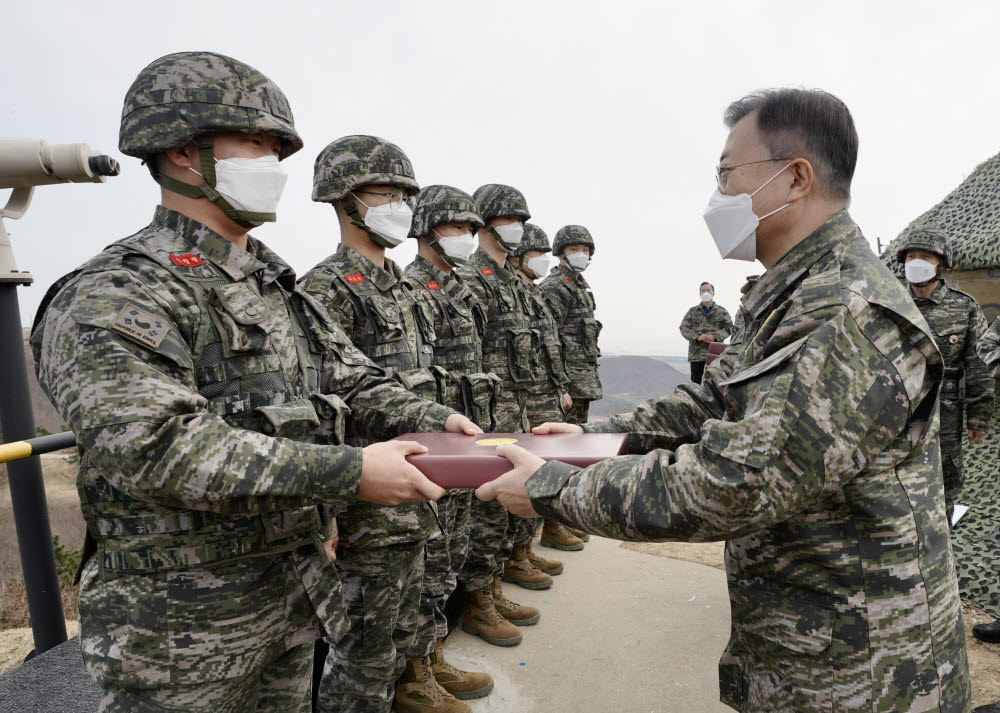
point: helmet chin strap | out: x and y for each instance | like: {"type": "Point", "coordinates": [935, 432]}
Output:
{"type": "Point", "coordinates": [496, 236]}
{"type": "Point", "coordinates": [206, 189]}
{"type": "Point", "coordinates": [351, 208]}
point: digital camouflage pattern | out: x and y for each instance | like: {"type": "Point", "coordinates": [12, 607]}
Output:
{"type": "Point", "coordinates": [354, 161]}
{"type": "Point", "coordinates": [572, 235]}
{"type": "Point", "coordinates": [193, 374]}
{"type": "Point", "coordinates": [572, 303]}
{"type": "Point", "coordinates": [811, 448]}
{"type": "Point", "coordinates": [497, 200]}
{"type": "Point", "coordinates": [717, 322]}
{"type": "Point", "coordinates": [926, 237]}
{"type": "Point", "coordinates": [382, 591]}
{"type": "Point", "coordinates": [442, 204]}
{"type": "Point", "coordinates": [534, 239]}
{"type": "Point", "coordinates": [187, 94]}
{"type": "Point", "coordinates": [958, 324]}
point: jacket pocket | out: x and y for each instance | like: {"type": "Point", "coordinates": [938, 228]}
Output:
{"type": "Point", "coordinates": [332, 412]}
{"type": "Point", "coordinates": [241, 313]}
{"type": "Point", "coordinates": [296, 420]}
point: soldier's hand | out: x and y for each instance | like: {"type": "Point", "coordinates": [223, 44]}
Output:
{"type": "Point", "coordinates": [709, 337]}
{"type": "Point", "coordinates": [546, 428]}
{"type": "Point", "coordinates": [387, 478]}
{"type": "Point", "coordinates": [567, 402]}
{"type": "Point", "coordinates": [976, 436]}
{"type": "Point", "coordinates": [330, 547]}
{"type": "Point", "coordinates": [509, 488]}
{"type": "Point", "coordinates": [457, 423]}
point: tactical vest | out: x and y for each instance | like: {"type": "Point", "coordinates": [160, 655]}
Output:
{"type": "Point", "coordinates": [548, 348]}
{"type": "Point", "coordinates": [581, 322]}
{"type": "Point", "coordinates": [509, 342]}
{"type": "Point", "coordinates": [239, 374]}
{"type": "Point", "coordinates": [458, 349]}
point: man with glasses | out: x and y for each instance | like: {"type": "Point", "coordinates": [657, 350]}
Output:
{"type": "Point", "coordinates": [380, 552]}
{"type": "Point", "coordinates": [703, 324]}
{"type": "Point", "coordinates": [811, 446]}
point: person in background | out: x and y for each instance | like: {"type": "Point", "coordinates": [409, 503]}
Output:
{"type": "Point", "coordinates": [703, 324]}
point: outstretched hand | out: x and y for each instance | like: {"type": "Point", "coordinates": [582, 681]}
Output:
{"type": "Point", "coordinates": [509, 489]}
{"type": "Point", "coordinates": [387, 478]}
{"type": "Point", "coordinates": [457, 423]}
{"type": "Point", "coordinates": [550, 427]}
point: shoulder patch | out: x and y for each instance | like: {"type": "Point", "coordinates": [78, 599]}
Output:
{"type": "Point", "coordinates": [139, 325]}
{"type": "Point", "coordinates": [356, 279]}
{"type": "Point", "coordinates": [566, 280]}
{"type": "Point", "coordinates": [433, 285]}
{"type": "Point", "coordinates": [188, 260]}
{"type": "Point", "coordinates": [487, 270]}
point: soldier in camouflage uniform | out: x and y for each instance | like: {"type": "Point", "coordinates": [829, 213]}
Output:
{"type": "Point", "coordinates": [811, 447]}
{"type": "Point", "coordinates": [958, 324]}
{"type": "Point", "coordinates": [988, 349]}
{"type": "Point", "coordinates": [703, 324]}
{"type": "Point", "coordinates": [445, 221]}
{"type": "Point", "coordinates": [381, 552]}
{"type": "Point", "coordinates": [547, 399]}
{"type": "Point", "coordinates": [573, 306]}
{"type": "Point", "coordinates": [510, 351]}
{"type": "Point", "coordinates": [195, 376]}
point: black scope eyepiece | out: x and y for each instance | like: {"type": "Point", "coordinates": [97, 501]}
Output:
{"type": "Point", "coordinates": [104, 165]}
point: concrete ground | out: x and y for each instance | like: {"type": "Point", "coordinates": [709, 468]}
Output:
{"type": "Point", "coordinates": [620, 631]}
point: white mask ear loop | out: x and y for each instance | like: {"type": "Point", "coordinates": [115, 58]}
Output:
{"type": "Point", "coordinates": [765, 183]}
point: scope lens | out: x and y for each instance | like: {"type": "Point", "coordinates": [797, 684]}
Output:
{"type": "Point", "coordinates": [104, 165]}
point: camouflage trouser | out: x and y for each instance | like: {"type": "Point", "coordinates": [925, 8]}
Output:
{"type": "Point", "coordinates": [951, 437]}
{"type": "Point", "coordinates": [444, 557]}
{"type": "Point", "coordinates": [579, 412]}
{"type": "Point", "coordinates": [226, 639]}
{"type": "Point", "coordinates": [492, 528]}
{"type": "Point", "coordinates": [382, 590]}
{"type": "Point", "coordinates": [543, 406]}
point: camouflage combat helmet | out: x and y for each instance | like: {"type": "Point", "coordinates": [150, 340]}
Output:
{"type": "Point", "coordinates": [190, 96]}
{"type": "Point", "coordinates": [354, 161]}
{"type": "Point", "coordinates": [929, 238]}
{"type": "Point", "coordinates": [572, 235]}
{"type": "Point", "coordinates": [497, 200]}
{"type": "Point", "coordinates": [435, 205]}
{"type": "Point", "coordinates": [534, 239]}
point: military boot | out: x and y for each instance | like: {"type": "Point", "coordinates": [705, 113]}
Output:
{"type": "Point", "coordinates": [512, 611]}
{"type": "Point", "coordinates": [464, 685]}
{"type": "Point", "coordinates": [482, 619]}
{"type": "Point", "coordinates": [990, 633]}
{"type": "Point", "coordinates": [417, 691]}
{"type": "Point", "coordinates": [556, 535]}
{"type": "Point", "coordinates": [550, 567]}
{"type": "Point", "coordinates": [520, 571]}
{"type": "Point", "coordinates": [578, 533]}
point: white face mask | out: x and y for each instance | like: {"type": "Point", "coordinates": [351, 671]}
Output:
{"type": "Point", "coordinates": [457, 247]}
{"type": "Point", "coordinates": [539, 266]}
{"type": "Point", "coordinates": [706, 297]}
{"type": "Point", "coordinates": [919, 271]}
{"type": "Point", "coordinates": [578, 261]}
{"type": "Point", "coordinates": [510, 234]}
{"type": "Point", "coordinates": [390, 225]}
{"type": "Point", "coordinates": [250, 184]}
{"type": "Point", "coordinates": [733, 224]}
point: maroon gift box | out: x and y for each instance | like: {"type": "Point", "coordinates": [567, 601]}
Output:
{"type": "Point", "coordinates": [454, 460]}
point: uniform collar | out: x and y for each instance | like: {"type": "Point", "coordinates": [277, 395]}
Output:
{"type": "Point", "coordinates": [383, 278]}
{"type": "Point", "coordinates": [481, 261]}
{"type": "Point", "coordinates": [762, 295]}
{"type": "Point", "coordinates": [566, 275]}
{"type": "Point", "coordinates": [225, 255]}
{"type": "Point", "coordinates": [937, 296]}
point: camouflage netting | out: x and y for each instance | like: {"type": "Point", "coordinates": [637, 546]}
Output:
{"type": "Point", "coordinates": [976, 538]}
{"type": "Point", "coordinates": [971, 216]}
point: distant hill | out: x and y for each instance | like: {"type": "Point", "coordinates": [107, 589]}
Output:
{"type": "Point", "coordinates": [629, 380]}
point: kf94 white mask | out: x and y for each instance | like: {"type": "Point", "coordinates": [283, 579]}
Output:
{"type": "Point", "coordinates": [733, 224]}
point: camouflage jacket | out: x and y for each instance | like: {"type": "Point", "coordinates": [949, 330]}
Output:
{"type": "Point", "coordinates": [717, 322]}
{"type": "Point", "coordinates": [456, 318]}
{"type": "Point", "coordinates": [958, 324]}
{"type": "Point", "coordinates": [811, 447]}
{"type": "Point", "coordinates": [510, 346]}
{"type": "Point", "coordinates": [548, 345]}
{"type": "Point", "coordinates": [194, 374]}
{"type": "Point", "coordinates": [573, 307]}
{"type": "Point", "coordinates": [378, 312]}
{"type": "Point", "coordinates": [988, 347]}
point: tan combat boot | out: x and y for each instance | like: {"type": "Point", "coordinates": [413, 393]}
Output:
{"type": "Point", "coordinates": [417, 691]}
{"type": "Point", "coordinates": [556, 535]}
{"type": "Point", "coordinates": [521, 572]}
{"type": "Point", "coordinates": [482, 619]}
{"type": "Point", "coordinates": [464, 685]}
{"type": "Point", "coordinates": [550, 567]}
{"type": "Point", "coordinates": [513, 612]}
{"type": "Point", "coordinates": [579, 533]}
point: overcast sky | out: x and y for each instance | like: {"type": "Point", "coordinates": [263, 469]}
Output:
{"type": "Point", "coordinates": [604, 114]}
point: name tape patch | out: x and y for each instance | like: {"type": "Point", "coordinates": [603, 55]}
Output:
{"type": "Point", "coordinates": [433, 285]}
{"type": "Point", "coordinates": [189, 260]}
{"type": "Point", "coordinates": [488, 271]}
{"type": "Point", "coordinates": [141, 326]}
{"type": "Point", "coordinates": [356, 279]}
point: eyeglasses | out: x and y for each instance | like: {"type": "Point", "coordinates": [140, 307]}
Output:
{"type": "Point", "coordinates": [721, 171]}
{"type": "Point", "coordinates": [396, 197]}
